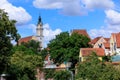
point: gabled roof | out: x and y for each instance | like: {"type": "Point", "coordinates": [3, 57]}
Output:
{"type": "Point", "coordinates": [25, 39]}
{"type": "Point", "coordinates": [81, 32]}
{"type": "Point", "coordinates": [95, 40]}
{"type": "Point", "coordinates": [116, 37]}
{"type": "Point", "coordinates": [87, 51]}
{"type": "Point", "coordinates": [106, 44]}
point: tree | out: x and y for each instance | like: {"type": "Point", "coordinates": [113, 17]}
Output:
{"type": "Point", "coordinates": [22, 48]}
{"type": "Point", "coordinates": [66, 47]}
{"type": "Point", "coordinates": [49, 73]}
{"type": "Point", "coordinates": [62, 75]}
{"type": "Point", "coordinates": [8, 32]}
{"type": "Point", "coordinates": [24, 61]}
{"type": "Point", "coordinates": [33, 45]}
{"type": "Point", "coordinates": [44, 53]}
{"type": "Point", "coordinates": [94, 69]}
{"type": "Point", "coordinates": [23, 65]}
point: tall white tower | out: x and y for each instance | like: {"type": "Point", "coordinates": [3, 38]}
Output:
{"type": "Point", "coordinates": [39, 32]}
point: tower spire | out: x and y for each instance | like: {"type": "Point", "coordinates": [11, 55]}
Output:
{"type": "Point", "coordinates": [39, 20]}
{"type": "Point", "coordinates": [39, 32]}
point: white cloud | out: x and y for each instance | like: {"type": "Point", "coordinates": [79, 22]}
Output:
{"type": "Point", "coordinates": [17, 13]}
{"type": "Point", "coordinates": [113, 17]}
{"type": "Point", "coordinates": [100, 32]}
{"type": "Point", "coordinates": [67, 7]}
{"type": "Point", "coordinates": [49, 34]}
{"type": "Point", "coordinates": [101, 4]}
{"type": "Point", "coordinates": [48, 4]}
{"type": "Point", "coordinates": [106, 31]}
{"type": "Point", "coordinates": [32, 27]}
{"type": "Point", "coordinates": [112, 25]}
{"type": "Point", "coordinates": [74, 7]}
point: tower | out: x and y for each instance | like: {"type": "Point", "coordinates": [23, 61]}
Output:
{"type": "Point", "coordinates": [39, 32]}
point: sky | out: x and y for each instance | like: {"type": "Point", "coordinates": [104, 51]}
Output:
{"type": "Point", "coordinates": [98, 17]}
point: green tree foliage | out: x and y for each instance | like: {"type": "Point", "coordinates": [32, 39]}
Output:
{"type": "Point", "coordinates": [49, 73]}
{"type": "Point", "coordinates": [107, 58]}
{"type": "Point", "coordinates": [32, 45]}
{"type": "Point", "coordinates": [44, 53]}
{"type": "Point", "coordinates": [23, 49]}
{"type": "Point", "coordinates": [23, 65]}
{"type": "Point", "coordinates": [25, 60]}
{"type": "Point", "coordinates": [8, 32]}
{"type": "Point", "coordinates": [66, 47]}
{"type": "Point", "coordinates": [57, 74]}
{"type": "Point", "coordinates": [62, 75]}
{"type": "Point", "coordinates": [94, 69]}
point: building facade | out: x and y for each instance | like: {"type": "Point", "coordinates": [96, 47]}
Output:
{"type": "Point", "coordinates": [85, 52]}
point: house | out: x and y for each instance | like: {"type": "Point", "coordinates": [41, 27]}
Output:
{"type": "Point", "coordinates": [115, 46]}
{"type": "Point", "coordinates": [101, 42]}
{"type": "Point", "coordinates": [115, 43]}
{"type": "Point", "coordinates": [106, 47]}
{"type": "Point", "coordinates": [48, 63]}
{"type": "Point", "coordinates": [27, 39]}
{"type": "Point", "coordinates": [63, 66]}
{"type": "Point", "coordinates": [80, 31]}
{"type": "Point", "coordinates": [85, 52]}
{"type": "Point", "coordinates": [94, 41]}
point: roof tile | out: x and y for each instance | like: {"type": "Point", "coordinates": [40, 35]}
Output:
{"type": "Point", "coordinates": [81, 31]}
{"type": "Point", "coordinates": [107, 45]}
{"type": "Point", "coordinates": [25, 39]}
{"type": "Point", "coordinates": [88, 51]}
{"type": "Point", "coordinates": [94, 40]}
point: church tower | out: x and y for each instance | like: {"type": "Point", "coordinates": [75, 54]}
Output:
{"type": "Point", "coordinates": [39, 32]}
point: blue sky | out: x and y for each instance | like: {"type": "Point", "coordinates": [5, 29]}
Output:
{"type": "Point", "coordinates": [98, 17]}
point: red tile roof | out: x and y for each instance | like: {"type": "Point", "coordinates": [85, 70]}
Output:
{"type": "Point", "coordinates": [118, 45]}
{"type": "Point", "coordinates": [88, 51]}
{"type": "Point", "coordinates": [94, 40]}
{"type": "Point", "coordinates": [107, 45]}
{"type": "Point", "coordinates": [25, 39]}
{"type": "Point", "coordinates": [97, 38]}
{"type": "Point", "coordinates": [81, 31]}
{"type": "Point", "coordinates": [107, 39]}
{"type": "Point", "coordinates": [118, 39]}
